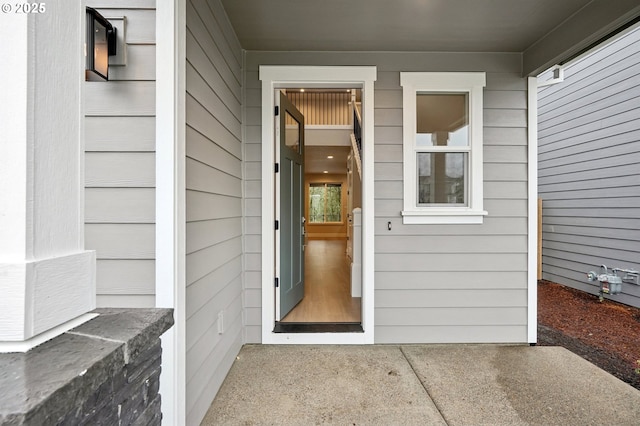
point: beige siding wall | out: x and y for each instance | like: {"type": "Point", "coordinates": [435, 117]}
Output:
{"type": "Point", "coordinates": [454, 283]}
{"type": "Point", "coordinates": [214, 200]}
{"type": "Point", "coordinates": [120, 164]}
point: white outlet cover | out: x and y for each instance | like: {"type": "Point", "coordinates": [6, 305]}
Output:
{"type": "Point", "coordinates": [220, 322]}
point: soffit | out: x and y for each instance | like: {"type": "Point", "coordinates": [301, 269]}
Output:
{"type": "Point", "coordinates": [399, 25]}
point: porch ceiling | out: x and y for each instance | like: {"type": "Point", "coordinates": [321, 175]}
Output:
{"type": "Point", "coordinates": [420, 25]}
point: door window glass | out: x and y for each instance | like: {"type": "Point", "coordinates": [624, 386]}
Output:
{"type": "Point", "coordinates": [292, 133]}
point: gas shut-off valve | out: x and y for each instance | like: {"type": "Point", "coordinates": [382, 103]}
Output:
{"type": "Point", "coordinates": [611, 283]}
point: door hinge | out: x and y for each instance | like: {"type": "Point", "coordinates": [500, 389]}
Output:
{"type": "Point", "coordinates": [277, 281]}
{"type": "Point", "coordinates": [277, 167]}
{"type": "Point", "coordinates": [277, 111]}
{"type": "Point", "coordinates": [277, 225]}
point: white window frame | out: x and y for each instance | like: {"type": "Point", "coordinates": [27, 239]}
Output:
{"type": "Point", "coordinates": [472, 84]}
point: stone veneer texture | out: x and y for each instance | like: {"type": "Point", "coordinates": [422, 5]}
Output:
{"type": "Point", "coordinates": [104, 372]}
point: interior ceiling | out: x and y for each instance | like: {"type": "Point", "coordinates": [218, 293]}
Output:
{"type": "Point", "coordinates": [316, 161]}
{"type": "Point", "coordinates": [399, 25]}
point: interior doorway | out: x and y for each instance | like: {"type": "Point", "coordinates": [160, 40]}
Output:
{"type": "Point", "coordinates": [329, 131]}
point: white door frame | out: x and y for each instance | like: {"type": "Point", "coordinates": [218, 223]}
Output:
{"type": "Point", "coordinates": [279, 77]}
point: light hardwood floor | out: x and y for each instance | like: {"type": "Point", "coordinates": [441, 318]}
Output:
{"type": "Point", "coordinates": [327, 287]}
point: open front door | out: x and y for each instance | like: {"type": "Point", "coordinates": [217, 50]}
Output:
{"type": "Point", "coordinates": [290, 232]}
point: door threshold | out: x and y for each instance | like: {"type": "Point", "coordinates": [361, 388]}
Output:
{"type": "Point", "coordinates": [318, 327]}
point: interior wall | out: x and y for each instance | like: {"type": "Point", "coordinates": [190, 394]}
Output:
{"type": "Point", "coordinates": [357, 185]}
{"type": "Point", "coordinates": [326, 231]}
{"type": "Point", "coordinates": [323, 108]}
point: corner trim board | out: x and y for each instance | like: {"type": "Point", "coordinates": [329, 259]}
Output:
{"type": "Point", "coordinates": [532, 227]}
{"type": "Point", "coordinates": [171, 202]}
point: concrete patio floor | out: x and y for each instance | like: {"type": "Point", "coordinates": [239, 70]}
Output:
{"type": "Point", "coordinates": [420, 385]}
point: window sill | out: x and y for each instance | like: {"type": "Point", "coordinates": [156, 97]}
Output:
{"type": "Point", "coordinates": [443, 216]}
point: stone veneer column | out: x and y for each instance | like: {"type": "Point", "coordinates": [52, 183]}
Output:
{"type": "Point", "coordinates": [46, 276]}
{"type": "Point", "coordinates": [104, 372]}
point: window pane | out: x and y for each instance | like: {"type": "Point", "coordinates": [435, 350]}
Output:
{"type": "Point", "coordinates": [325, 202]}
{"type": "Point", "coordinates": [333, 209]}
{"type": "Point", "coordinates": [442, 119]}
{"type": "Point", "coordinates": [292, 133]}
{"type": "Point", "coordinates": [316, 203]}
{"type": "Point", "coordinates": [442, 178]}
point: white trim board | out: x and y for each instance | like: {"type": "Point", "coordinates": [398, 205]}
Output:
{"type": "Point", "coordinates": [532, 249]}
{"type": "Point", "coordinates": [278, 77]}
{"type": "Point", "coordinates": [27, 345]}
{"type": "Point", "coordinates": [170, 202]}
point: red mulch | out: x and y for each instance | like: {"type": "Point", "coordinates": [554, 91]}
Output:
{"type": "Point", "coordinates": [606, 333]}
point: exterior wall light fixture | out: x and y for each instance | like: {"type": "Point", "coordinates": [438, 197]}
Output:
{"type": "Point", "coordinates": [101, 43]}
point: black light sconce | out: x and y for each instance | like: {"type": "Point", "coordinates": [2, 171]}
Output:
{"type": "Point", "coordinates": [101, 43]}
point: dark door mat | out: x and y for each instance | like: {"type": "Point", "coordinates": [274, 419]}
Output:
{"type": "Point", "coordinates": [318, 327]}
